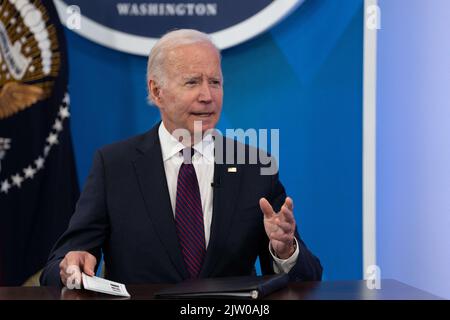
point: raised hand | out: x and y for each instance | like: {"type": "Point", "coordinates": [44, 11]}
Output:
{"type": "Point", "coordinates": [280, 227]}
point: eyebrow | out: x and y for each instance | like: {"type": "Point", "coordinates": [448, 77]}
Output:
{"type": "Point", "coordinates": [190, 77]}
{"type": "Point", "coordinates": [197, 76]}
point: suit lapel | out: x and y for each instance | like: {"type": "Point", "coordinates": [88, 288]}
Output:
{"type": "Point", "coordinates": [152, 181]}
{"type": "Point", "coordinates": [224, 208]}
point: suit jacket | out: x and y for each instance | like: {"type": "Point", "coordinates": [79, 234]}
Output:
{"type": "Point", "coordinates": [125, 213]}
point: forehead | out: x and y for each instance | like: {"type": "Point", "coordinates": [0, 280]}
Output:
{"type": "Point", "coordinates": [194, 58]}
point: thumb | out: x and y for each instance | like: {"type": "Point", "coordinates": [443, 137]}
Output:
{"type": "Point", "coordinates": [89, 262]}
{"type": "Point", "coordinates": [266, 208]}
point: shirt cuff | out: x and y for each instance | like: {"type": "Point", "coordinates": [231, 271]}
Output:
{"type": "Point", "coordinates": [284, 265]}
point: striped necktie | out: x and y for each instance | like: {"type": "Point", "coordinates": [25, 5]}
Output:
{"type": "Point", "coordinates": [189, 216]}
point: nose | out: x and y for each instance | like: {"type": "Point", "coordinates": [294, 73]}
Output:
{"type": "Point", "coordinates": [205, 93]}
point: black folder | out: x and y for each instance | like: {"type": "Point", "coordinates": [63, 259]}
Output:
{"type": "Point", "coordinates": [247, 287]}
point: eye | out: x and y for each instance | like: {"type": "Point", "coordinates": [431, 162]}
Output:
{"type": "Point", "coordinates": [215, 82]}
{"type": "Point", "coordinates": [191, 82]}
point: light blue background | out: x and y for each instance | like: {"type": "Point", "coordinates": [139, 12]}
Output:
{"type": "Point", "coordinates": [304, 77]}
{"type": "Point", "coordinates": [413, 153]}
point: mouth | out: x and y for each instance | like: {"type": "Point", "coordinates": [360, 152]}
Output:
{"type": "Point", "coordinates": [202, 114]}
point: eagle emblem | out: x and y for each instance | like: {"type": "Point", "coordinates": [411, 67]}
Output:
{"type": "Point", "coordinates": [30, 62]}
{"type": "Point", "coordinates": [16, 96]}
{"type": "Point", "coordinates": [28, 55]}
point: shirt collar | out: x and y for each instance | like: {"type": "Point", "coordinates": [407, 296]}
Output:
{"type": "Point", "coordinates": [170, 146]}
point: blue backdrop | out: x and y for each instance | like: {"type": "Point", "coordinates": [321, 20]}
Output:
{"type": "Point", "coordinates": [304, 77]}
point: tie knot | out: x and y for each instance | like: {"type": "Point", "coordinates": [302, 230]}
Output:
{"type": "Point", "coordinates": [187, 154]}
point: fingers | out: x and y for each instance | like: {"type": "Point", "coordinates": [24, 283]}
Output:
{"type": "Point", "coordinates": [284, 220]}
{"type": "Point", "coordinates": [74, 279]}
{"type": "Point", "coordinates": [73, 264]}
{"type": "Point", "coordinates": [276, 225]}
{"type": "Point", "coordinates": [286, 215]}
{"type": "Point", "coordinates": [287, 208]}
{"type": "Point", "coordinates": [64, 271]}
{"type": "Point", "coordinates": [89, 264]}
{"type": "Point", "coordinates": [282, 226]}
{"type": "Point", "coordinates": [289, 203]}
{"type": "Point", "coordinates": [286, 211]}
{"type": "Point", "coordinates": [286, 227]}
{"type": "Point", "coordinates": [279, 230]}
{"type": "Point", "coordinates": [266, 208]}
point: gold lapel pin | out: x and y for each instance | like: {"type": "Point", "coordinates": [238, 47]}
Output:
{"type": "Point", "coordinates": [232, 169]}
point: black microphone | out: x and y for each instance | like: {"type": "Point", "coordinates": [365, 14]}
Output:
{"type": "Point", "coordinates": [216, 183]}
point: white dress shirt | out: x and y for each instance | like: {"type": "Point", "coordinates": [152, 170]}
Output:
{"type": "Point", "coordinates": [203, 161]}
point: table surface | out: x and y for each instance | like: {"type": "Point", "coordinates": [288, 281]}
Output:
{"type": "Point", "coordinates": [325, 290]}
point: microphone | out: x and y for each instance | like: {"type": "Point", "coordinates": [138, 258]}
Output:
{"type": "Point", "coordinates": [216, 183]}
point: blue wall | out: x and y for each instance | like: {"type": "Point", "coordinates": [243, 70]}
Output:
{"type": "Point", "coordinates": [413, 152]}
{"type": "Point", "coordinates": [304, 77]}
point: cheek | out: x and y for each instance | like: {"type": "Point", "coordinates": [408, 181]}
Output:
{"type": "Point", "coordinates": [218, 97]}
{"type": "Point", "coordinates": [175, 105]}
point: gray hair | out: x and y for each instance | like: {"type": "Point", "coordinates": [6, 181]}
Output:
{"type": "Point", "coordinates": [171, 40]}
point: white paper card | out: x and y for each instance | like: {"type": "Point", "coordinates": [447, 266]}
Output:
{"type": "Point", "coordinates": [104, 286]}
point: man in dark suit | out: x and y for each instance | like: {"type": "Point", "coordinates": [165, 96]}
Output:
{"type": "Point", "coordinates": [164, 207]}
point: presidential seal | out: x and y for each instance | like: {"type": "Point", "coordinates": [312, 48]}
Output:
{"type": "Point", "coordinates": [28, 55]}
{"type": "Point", "coordinates": [31, 78]}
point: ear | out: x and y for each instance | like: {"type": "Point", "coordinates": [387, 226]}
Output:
{"type": "Point", "coordinates": [155, 92]}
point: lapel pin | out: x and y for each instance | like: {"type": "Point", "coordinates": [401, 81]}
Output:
{"type": "Point", "coordinates": [232, 169]}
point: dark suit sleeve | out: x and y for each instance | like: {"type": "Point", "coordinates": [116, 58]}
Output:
{"type": "Point", "coordinates": [88, 226]}
{"type": "Point", "coordinates": [307, 267]}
